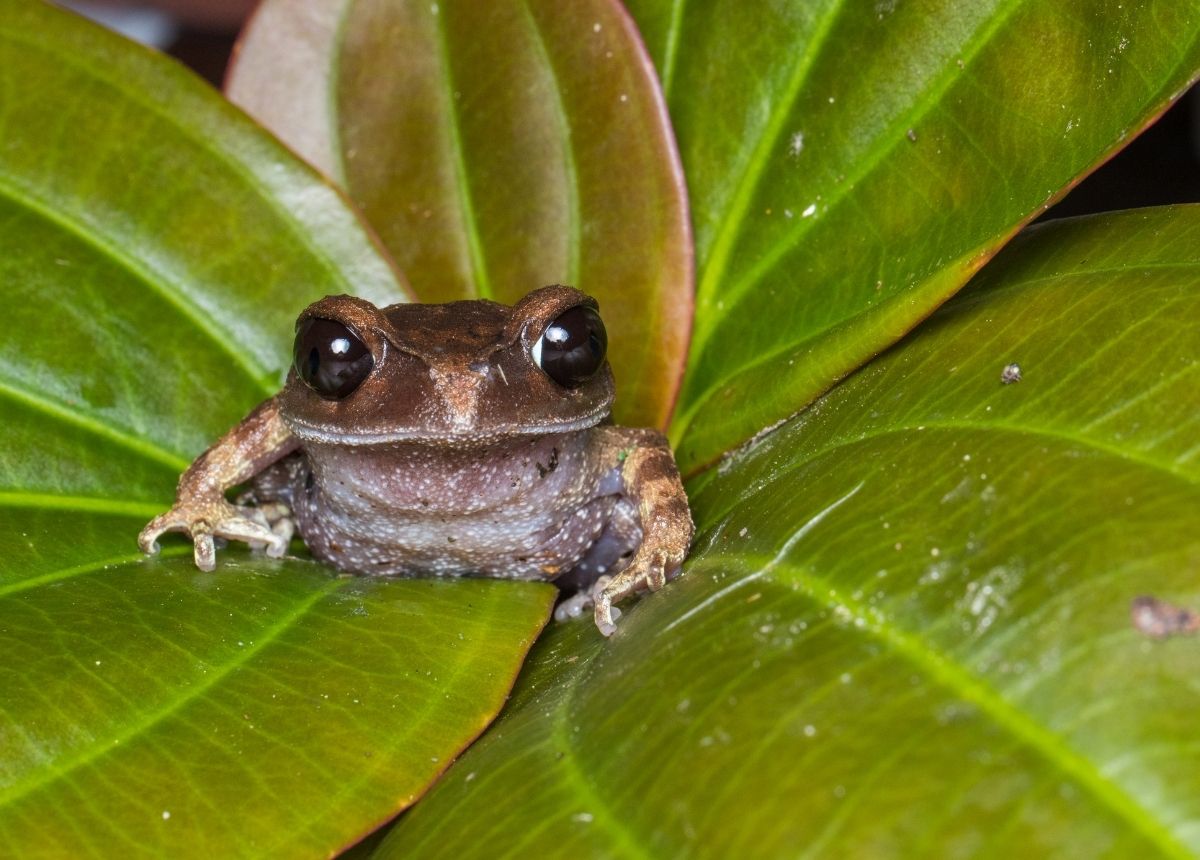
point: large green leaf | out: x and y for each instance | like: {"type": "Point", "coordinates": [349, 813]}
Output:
{"type": "Point", "coordinates": [851, 164]}
{"type": "Point", "coordinates": [905, 629]}
{"type": "Point", "coordinates": [266, 710]}
{"type": "Point", "coordinates": [496, 147]}
{"type": "Point", "coordinates": [157, 249]}
{"type": "Point", "coordinates": [155, 246]}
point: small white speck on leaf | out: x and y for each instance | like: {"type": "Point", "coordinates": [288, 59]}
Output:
{"type": "Point", "coordinates": [583, 817]}
{"type": "Point", "coordinates": [1011, 373]}
{"type": "Point", "coordinates": [809, 211]}
{"type": "Point", "coordinates": [166, 815]}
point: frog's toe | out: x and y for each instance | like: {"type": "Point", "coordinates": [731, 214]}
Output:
{"type": "Point", "coordinates": [606, 615]}
{"type": "Point", "coordinates": [655, 576]}
{"type": "Point", "coordinates": [649, 571]}
{"type": "Point", "coordinates": [278, 518]}
{"type": "Point", "coordinates": [573, 606]}
{"type": "Point", "coordinates": [277, 548]}
{"type": "Point", "coordinates": [581, 601]}
{"type": "Point", "coordinates": [253, 532]}
{"type": "Point", "coordinates": [156, 528]}
{"type": "Point", "coordinates": [607, 594]}
{"type": "Point", "coordinates": [148, 538]}
{"type": "Point", "coordinates": [204, 550]}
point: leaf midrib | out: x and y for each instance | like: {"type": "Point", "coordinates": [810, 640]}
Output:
{"type": "Point", "coordinates": [671, 48]}
{"type": "Point", "coordinates": [458, 163]}
{"type": "Point", "coordinates": [82, 504]}
{"type": "Point", "coordinates": [962, 683]}
{"type": "Point", "coordinates": [105, 746]}
{"type": "Point", "coordinates": [204, 143]}
{"type": "Point", "coordinates": [747, 183]}
{"type": "Point", "coordinates": [89, 423]}
{"type": "Point", "coordinates": [924, 426]}
{"type": "Point", "coordinates": [95, 566]}
{"type": "Point", "coordinates": [156, 279]}
{"type": "Point", "coordinates": [1136, 458]}
{"type": "Point", "coordinates": [817, 337]}
{"type": "Point", "coordinates": [969, 687]}
{"type": "Point", "coordinates": [575, 221]}
{"type": "Point", "coordinates": [885, 141]}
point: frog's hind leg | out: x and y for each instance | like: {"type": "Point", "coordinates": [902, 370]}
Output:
{"type": "Point", "coordinates": [651, 484]}
{"type": "Point", "coordinates": [272, 491]}
{"type": "Point", "coordinates": [609, 555]}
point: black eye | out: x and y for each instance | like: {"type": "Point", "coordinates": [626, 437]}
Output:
{"type": "Point", "coordinates": [330, 358]}
{"type": "Point", "coordinates": [571, 349]}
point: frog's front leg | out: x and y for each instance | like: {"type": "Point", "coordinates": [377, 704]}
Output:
{"type": "Point", "coordinates": [201, 509]}
{"type": "Point", "coordinates": [651, 482]}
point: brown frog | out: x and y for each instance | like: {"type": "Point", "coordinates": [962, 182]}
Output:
{"type": "Point", "coordinates": [448, 439]}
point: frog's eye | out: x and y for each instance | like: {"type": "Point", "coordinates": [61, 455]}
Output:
{"type": "Point", "coordinates": [571, 349]}
{"type": "Point", "coordinates": [330, 358]}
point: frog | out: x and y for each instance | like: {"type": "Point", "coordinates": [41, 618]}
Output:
{"type": "Point", "coordinates": [467, 438]}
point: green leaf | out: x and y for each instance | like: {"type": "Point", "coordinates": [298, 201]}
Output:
{"type": "Point", "coordinates": [905, 628]}
{"type": "Point", "coordinates": [496, 147]}
{"type": "Point", "coordinates": [852, 164]}
{"type": "Point", "coordinates": [155, 247]}
{"type": "Point", "coordinates": [269, 709]}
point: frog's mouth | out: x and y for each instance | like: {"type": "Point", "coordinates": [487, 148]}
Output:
{"type": "Point", "coordinates": [467, 436]}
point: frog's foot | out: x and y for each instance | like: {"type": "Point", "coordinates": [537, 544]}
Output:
{"type": "Point", "coordinates": [276, 516]}
{"type": "Point", "coordinates": [203, 521]}
{"type": "Point", "coordinates": [582, 601]}
{"type": "Point", "coordinates": [649, 571]}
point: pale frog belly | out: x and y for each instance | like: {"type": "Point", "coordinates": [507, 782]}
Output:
{"type": "Point", "coordinates": [528, 510]}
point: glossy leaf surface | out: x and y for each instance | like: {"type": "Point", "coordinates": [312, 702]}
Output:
{"type": "Point", "coordinates": [905, 628]}
{"type": "Point", "coordinates": [155, 247]}
{"type": "Point", "coordinates": [850, 165]}
{"type": "Point", "coordinates": [496, 147]}
{"type": "Point", "coordinates": [268, 709]}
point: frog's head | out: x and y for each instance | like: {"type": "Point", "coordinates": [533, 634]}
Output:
{"type": "Point", "coordinates": [456, 373]}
